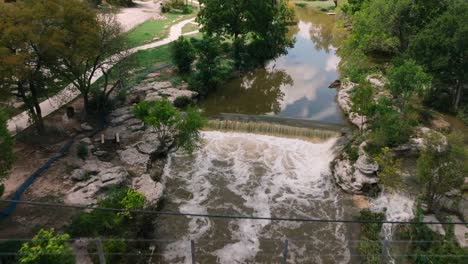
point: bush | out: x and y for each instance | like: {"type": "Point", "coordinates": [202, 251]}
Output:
{"type": "Point", "coordinates": [125, 3]}
{"type": "Point", "coordinates": [182, 102]}
{"type": "Point", "coordinates": [369, 238]}
{"type": "Point", "coordinates": [47, 248]}
{"type": "Point", "coordinates": [183, 54]}
{"type": "Point", "coordinates": [188, 9]}
{"type": "Point", "coordinates": [94, 3]}
{"type": "Point", "coordinates": [82, 151]}
{"type": "Point", "coordinates": [113, 250]}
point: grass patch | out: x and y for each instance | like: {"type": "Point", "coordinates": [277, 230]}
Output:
{"type": "Point", "coordinates": [190, 27]}
{"type": "Point", "coordinates": [153, 30]}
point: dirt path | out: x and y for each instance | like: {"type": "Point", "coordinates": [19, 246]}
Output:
{"type": "Point", "coordinates": [142, 11]}
{"type": "Point", "coordinates": [21, 121]}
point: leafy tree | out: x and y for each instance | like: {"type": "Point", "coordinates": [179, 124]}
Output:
{"type": "Point", "coordinates": [406, 79]}
{"type": "Point", "coordinates": [170, 124]}
{"type": "Point", "coordinates": [257, 28]}
{"type": "Point", "coordinates": [183, 54]}
{"type": "Point", "coordinates": [47, 248]}
{"type": "Point", "coordinates": [389, 169]}
{"type": "Point", "coordinates": [6, 148]}
{"type": "Point", "coordinates": [132, 200]}
{"type": "Point", "coordinates": [211, 67]}
{"type": "Point", "coordinates": [369, 238]}
{"type": "Point", "coordinates": [363, 101]}
{"type": "Point", "coordinates": [86, 45]}
{"type": "Point", "coordinates": [28, 29]}
{"type": "Point", "coordinates": [440, 172]}
{"type": "Point", "coordinates": [441, 48]}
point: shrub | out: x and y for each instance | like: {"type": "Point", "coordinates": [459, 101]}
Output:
{"type": "Point", "coordinates": [113, 250]}
{"type": "Point", "coordinates": [125, 3]}
{"type": "Point", "coordinates": [369, 238]}
{"type": "Point", "coordinates": [47, 248]}
{"type": "Point", "coordinates": [82, 151]}
{"type": "Point", "coordinates": [182, 102]}
{"type": "Point", "coordinates": [183, 54]}
{"type": "Point", "coordinates": [188, 9]}
{"type": "Point", "coordinates": [94, 3]}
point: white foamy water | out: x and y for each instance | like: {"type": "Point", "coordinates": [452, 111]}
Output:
{"type": "Point", "coordinates": [397, 207]}
{"type": "Point", "coordinates": [246, 174]}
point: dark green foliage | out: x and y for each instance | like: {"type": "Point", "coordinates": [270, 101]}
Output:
{"type": "Point", "coordinates": [114, 250]}
{"type": "Point", "coordinates": [370, 237]}
{"type": "Point", "coordinates": [389, 127]}
{"type": "Point", "coordinates": [188, 9]}
{"type": "Point", "coordinates": [211, 67]}
{"type": "Point", "coordinates": [170, 123]}
{"type": "Point", "coordinates": [183, 54]}
{"type": "Point", "coordinates": [82, 151]}
{"type": "Point", "coordinates": [441, 48]}
{"type": "Point", "coordinates": [125, 3]}
{"type": "Point", "coordinates": [182, 102]}
{"type": "Point", "coordinates": [6, 147]}
{"type": "Point", "coordinates": [9, 248]}
{"type": "Point", "coordinates": [352, 6]}
{"type": "Point", "coordinates": [406, 79]}
{"type": "Point", "coordinates": [363, 100]}
{"type": "Point", "coordinates": [441, 250]}
{"type": "Point", "coordinates": [94, 3]}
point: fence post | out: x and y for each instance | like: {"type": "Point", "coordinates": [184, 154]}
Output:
{"type": "Point", "coordinates": [192, 250]}
{"type": "Point", "coordinates": [102, 258]}
{"type": "Point", "coordinates": [383, 255]}
{"type": "Point", "coordinates": [285, 252]}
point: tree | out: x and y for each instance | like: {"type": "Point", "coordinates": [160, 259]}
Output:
{"type": "Point", "coordinates": [257, 28]}
{"type": "Point", "coordinates": [6, 149]}
{"type": "Point", "coordinates": [89, 43]}
{"type": "Point", "coordinates": [440, 171]}
{"type": "Point", "coordinates": [183, 54]}
{"type": "Point", "coordinates": [47, 248]}
{"type": "Point", "coordinates": [211, 68]}
{"type": "Point", "coordinates": [27, 31]}
{"type": "Point", "coordinates": [363, 101]}
{"type": "Point", "coordinates": [183, 130]}
{"type": "Point", "coordinates": [405, 79]}
{"type": "Point", "coordinates": [389, 169]}
{"type": "Point", "coordinates": [441, 48]}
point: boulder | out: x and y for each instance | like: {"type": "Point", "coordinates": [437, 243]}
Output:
{"type": "Point", "coordinates": [120, 119]}
{"type": "Point", "coordinates": [86, 127]}
{"type": "Point", "coordinates": [351, 179]}
{"type": "Point", "coordinates": [121, 111]}
{"type": "Point", "coordinates": [461, 232]}
{"type": "Point", "coordinates": [376, 80]}
{"type": "Point", "coordinates": [86, 193]}
{"type": "Point", "coordinates": [135, 161]}
{"type": "Point", "coordinates": [335, 84]}
{"type": "Point", "coordinates": [86, 140]}
{"type": "Point", "coordinates": [366, 165]}
{"type": "Point", "coordinates": [437, 228]}
{"type": "Point", "coordinates": [152, 97]}
{"type": "Point", "coordinates": [78, 175]}
{"type": "Point", "coordinates": [344, 95]}
{"type": "Point", "coordinates": [151, 189]}
{"type": "Point", "coordinates": [95, 166]}
{"type": "Point", "coordinates": [441, 125]}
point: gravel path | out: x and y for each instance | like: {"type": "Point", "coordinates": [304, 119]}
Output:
{"type": "Point", "coordinates": [142, 11]}
{"type": "Point", "coordinates": [21, 121]}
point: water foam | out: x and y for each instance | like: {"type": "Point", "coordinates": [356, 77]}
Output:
{"type": "Point", "coordinates": [236, 173]}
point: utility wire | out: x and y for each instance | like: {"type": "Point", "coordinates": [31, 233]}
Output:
{"type": "Point", "coordinates": [221, 216]}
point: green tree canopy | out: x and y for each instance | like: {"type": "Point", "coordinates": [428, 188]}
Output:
{"type": "Point", "coordinates": [170, 124]}
{"type": "Point", "coordinates": [183, 54]}
{"type": "Point", "coordinates": [47, 248]}
{"type": "Point", "coordinates": [441, 49]}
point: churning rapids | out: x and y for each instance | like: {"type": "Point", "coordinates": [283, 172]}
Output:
{"type": "Point", "coordinates": [246, 174]}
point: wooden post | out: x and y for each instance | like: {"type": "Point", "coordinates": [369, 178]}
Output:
{"type": "Point", "coordinates": [117, 137]}
{"type": "Point", "coordinates": [102, 139]}
{"type": "Point", "coordinates": [192, 249]}
{"type": "Point", "coordinates": [102, 258]}
{"type": "Point", "coordinates": [285, 252]}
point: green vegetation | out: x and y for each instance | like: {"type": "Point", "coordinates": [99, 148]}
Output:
{"type": "Point", "coordinates": [442, 249]}
{"type": "Point", "coordinates": [170, 123]}
{"type": "Point", "coordinates": [440, 170]}
{"type": "Point", "coordinates": [390, 169]}
{"type": "Point", "coordinates": [370, 237]}
{"type": "Point", "coordinates": [6, 149]}
{"type": "Point", "coordinates": [125, 3]}
{"type": "Point", "coordinates": [47, 248]}
{"type": "Point", "coordinates": [82, 151]}
{"type": "Point", "coordinates": [183, 54]}
{"type": "Point", "coordinates": [152, 30]}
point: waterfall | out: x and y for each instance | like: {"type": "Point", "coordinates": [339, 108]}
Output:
{"type": "Point", "coordinates": [272, 129]}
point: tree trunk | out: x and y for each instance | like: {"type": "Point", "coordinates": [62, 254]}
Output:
{"type": "Point", "coordinates": [458, 95]}
{"type": "Point", "coordinates": [336, 3]}
{"type": "Point", "coordinates": [86, 103]}
{"type": "Point", "coordinates": [37, 112]}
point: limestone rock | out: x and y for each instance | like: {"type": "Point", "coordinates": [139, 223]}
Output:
{"type": "Point", "coordinates": [121, 111]}
{"type": "Point", "coordinates": [78, 175]}
{"type": "Point", "coordinates": [86, 193]}
{"type": "Point", "coordinates": [461, 232]}
{"type": "Point", "coordinates": [95, 166]}
{"type": "Point", "coordinates": [440, 125]}
{"type": "Point", "coordinates": [86, 140]}
{"type": "Point", "coordinates": [120, 119]}
{"type": "Point", "coordinates": [437, 228]}
{"type": "Point", "coordinates": [86, 127]}
{"type": "Point", "coordinates": [351, 179]}
{"type": "Point", "coordinates": [377, 80]}
{"type": "Point", "coordinates": [366, 165]}
{"type": "Point", "coordinates": [151, 189]}
{"type": "Point", "coordinates": [135, 161]}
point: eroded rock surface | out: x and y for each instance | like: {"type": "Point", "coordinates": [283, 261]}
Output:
{"type": "Point", "coordinates": [151, 189]}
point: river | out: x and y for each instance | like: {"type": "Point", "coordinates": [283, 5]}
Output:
{"type": "Point", "coordinates": [263, 176]}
